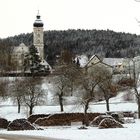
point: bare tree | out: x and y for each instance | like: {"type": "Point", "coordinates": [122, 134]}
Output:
{"type": "Point", "coordinates": [73, 73]}
{"type": "Point", "coordinates": [65, 82]}
{"type": "Point", "coordinates": [66, 57]}
{"type": "Point", "coordinates": [89, 83]}
{"type": "Point", "coordinates": [136, 83]}
{"type": "Point", "coordinates": [33, 92]}
{"type": "Point", "coordinates": [3, 87]}
{"type": "Point", "coordinates": [17, 92]}
{"type": "Point", "coordinates": [107, 86]}
{"type": "Point", "coordinates": [61, 85]}
{"type": "Point", "coordinates": [132, 80]}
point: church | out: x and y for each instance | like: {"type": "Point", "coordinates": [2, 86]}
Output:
{"type": "Point", "coordinates": [19, 52]}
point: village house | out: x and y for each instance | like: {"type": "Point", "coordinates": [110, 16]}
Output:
{"type": "Point", "coordinates": [117, 64]}
{"type": "Point", "coordinates": [96, 61]}
{"type": "Point", "coordinates": [18, 56]}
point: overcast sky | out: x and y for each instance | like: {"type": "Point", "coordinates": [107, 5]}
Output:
{"type": "Point", "coordinates": [17, 16]}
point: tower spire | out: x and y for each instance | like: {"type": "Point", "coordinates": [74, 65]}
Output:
{"type": "Point", "coordinates": [38, 35]}
{"type": "Point", "coordinates": [38, 22]}
{"type": "Point", "coordinates": [38, 12]}
{"type": "Point", "coordinates": [38, 15]}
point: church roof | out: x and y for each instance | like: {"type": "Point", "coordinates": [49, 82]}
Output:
{"type": "Point", "coordinates": [38, 22]}
{"type": "Point", "coordinates": [22, 48]}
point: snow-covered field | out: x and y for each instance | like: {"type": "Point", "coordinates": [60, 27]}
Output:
{"type": "Point", "coordinates": [130, 132]}
{"type": "Point", "coordinates": [10, 112]}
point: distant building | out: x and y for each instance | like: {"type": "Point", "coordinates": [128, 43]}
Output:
{"type": "Point", "coordinates": [123, 65]}
{"type": "Point", "coordinates": [117, 64]}
{"type": "Point", "coordinates": [96, 61]}
{"type": "Point", "coordinates": [18, 56]}
{"type": "Point", "coordinates": [20, 51]}
{"type": "Point", "coordinates": [81, 59]}
{"type": "Point", "coordinates": [38, 36]}
{"type": "Point", "coordinates": [93, 60]}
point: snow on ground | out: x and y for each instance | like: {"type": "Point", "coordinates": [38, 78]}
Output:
{"type": "Point", "coordinates": [130, 132]}
{"type": "Point", "coordinates": [116, 104]}
{"type": "Point", "coordinates": [10, 112]}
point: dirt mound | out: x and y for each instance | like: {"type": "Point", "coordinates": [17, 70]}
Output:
{"type": "Point", "coordinates": [34, 117]}
{"type": "Point", "coordinates": [3, 123]}
{"type": "Point", "coordinates": [65, 119]}
{"type": "Point", "coordinates": [109, 123]}
{"type": "Point", "coordinates": [96, 121]}
{"type": "Point", "coordinates": [20, 124]}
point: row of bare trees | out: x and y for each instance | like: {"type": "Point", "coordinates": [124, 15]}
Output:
{"type": "Point", "coordinates": [90, 86]}
{"type": "Point", "coordinates": [23, 91]}
{"type": "Point", "coordinates": [97, 82]}
{"type": "Point", "coordinates": [27, 91]}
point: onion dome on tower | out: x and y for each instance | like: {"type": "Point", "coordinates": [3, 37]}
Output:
{"type": "Point", "coordinates": [38, 22]}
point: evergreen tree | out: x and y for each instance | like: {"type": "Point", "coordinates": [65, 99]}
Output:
{"type": "Point", "coordinates": [101, 42]}
{"type": "Point", "coordinates": [33, 61]}
{"type": "Point", "coordinates": [34, 57]}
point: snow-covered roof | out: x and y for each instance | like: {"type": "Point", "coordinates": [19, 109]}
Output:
{"type": "Point", "coordinates": [93, 58]}
{"type": "Point", "coordinates": [22, 48]}
{"type": "Point", "coordinates": [46, 64]}
{"type": "Point", "coordinates": [113, 61]}
{"type": "Point", "coordinates": [137, 58]}
{"type": "Point", "coordinates": [83, 59]}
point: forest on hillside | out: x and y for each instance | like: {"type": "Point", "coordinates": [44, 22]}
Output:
{"type": "Point", "coordinates": [105, 43]}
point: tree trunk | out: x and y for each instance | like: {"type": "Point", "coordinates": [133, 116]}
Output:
{"type": "Point", "coordinates": [86, 107]}
{"type": "Point", "coordinates": [61, 103]}
{"type": "Point", "coordinates": [30, 110]}
{"type": "Point", "coordinates": [138, 100]}
{"type": "Point", "coordinates": [86, 120]}
{"type": "Point", "coordinates": [107, 105]}
{"type": "Point", "coordinates": [18, 107]}
{"type": "Point", "coordinates": [138, 107]}
{"type": "Point", "coordinates": [18, 101]}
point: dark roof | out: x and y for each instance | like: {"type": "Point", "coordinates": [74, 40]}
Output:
{"type": "Point", "coordinates": [38, 22]}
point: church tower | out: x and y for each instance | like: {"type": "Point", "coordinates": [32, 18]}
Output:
{"type": "Point", "coordinates": [38, 36]}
